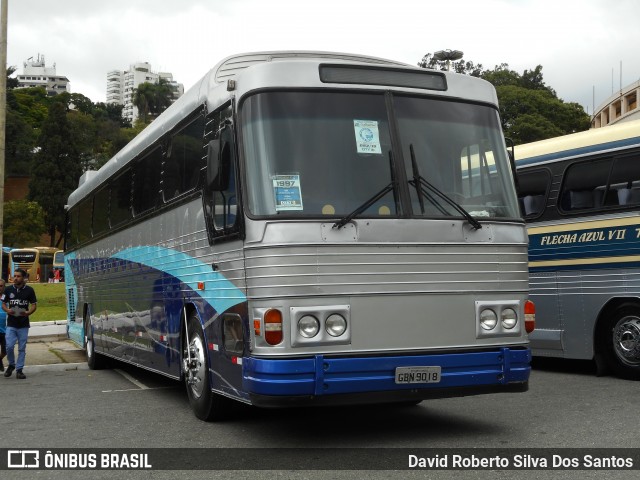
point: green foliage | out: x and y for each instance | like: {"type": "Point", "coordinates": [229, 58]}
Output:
{"type": "Point", "coordinates": [530, 110]}
{"type": "Point", "coordinates": [529, 115]}
{"type": "Point", "coordinates": [11, 82]}
{"type": "Point", "coordinates": [57, 167]}
{"type": "Point", "coordinates": [151, 99]}
{"type": "Point", "coordinates": [20, 144]}
{"type": "Point", "coordinates": [55, 138]}
{"type": "Point", "coordinates": [31, 103]}
{"type": "Point", "coordinates": [23, 223]}
{"type": "Point", "coordinates": [467, 68]}
{"type": "Point", "coordinates": [52, 303]}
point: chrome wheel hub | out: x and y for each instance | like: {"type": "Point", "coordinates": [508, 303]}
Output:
{"type": "Point", "coordinates": [194, 367]}
{"type": "Point", "coordinates": [626, 340]}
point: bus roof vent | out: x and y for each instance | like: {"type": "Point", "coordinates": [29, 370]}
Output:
{"type": "Point", "coordinates": [86, 176]}
{"type": "Point", "coordinates": [231, 66]}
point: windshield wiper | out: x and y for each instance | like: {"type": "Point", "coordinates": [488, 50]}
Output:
{"type": "Point", "coordinates": [391, 187]}
{"type": "Point", "coordinates": [422, 187]}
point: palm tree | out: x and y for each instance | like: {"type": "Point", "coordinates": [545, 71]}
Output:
{"type": "Point", "coordinates": [143, 98]}
{"type": "Point", "coordinates": [152, 98]}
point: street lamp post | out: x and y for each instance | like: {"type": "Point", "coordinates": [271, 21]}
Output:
{"type": "Point", "coordinates": [448, 56]}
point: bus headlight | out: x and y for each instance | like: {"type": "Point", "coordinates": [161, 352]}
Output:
{"type": "Point", "coordinates": [335, 325]}
{"type": "Point", "coordinates": [488, 319]}
{"type": "Point", "coordinates": [308, 326]}
{"type": "Point", "coordinates": [509, 318]}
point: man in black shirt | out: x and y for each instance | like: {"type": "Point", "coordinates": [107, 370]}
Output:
{"type": "Point", "coordinates": [18, 301]}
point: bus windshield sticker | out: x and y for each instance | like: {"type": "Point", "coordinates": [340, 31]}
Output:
{"type": "Point", "coordinates": [367, 136]}
{"type": "Point", "coordinates": [287, 192]}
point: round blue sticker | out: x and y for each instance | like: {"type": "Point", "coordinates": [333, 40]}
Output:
{"type": "Point", "coordinates": [366, 134]}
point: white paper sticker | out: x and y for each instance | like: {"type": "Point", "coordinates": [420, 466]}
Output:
{"type": "Point", "coordinates": [367, 136]}
{"type": "Point", "coordinates": [287, 192]}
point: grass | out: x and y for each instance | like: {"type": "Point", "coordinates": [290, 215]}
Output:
{"type": "Point", "coordinates": [52, 304]}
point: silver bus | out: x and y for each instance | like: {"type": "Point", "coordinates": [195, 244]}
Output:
{"type": "Point", "coordinates": [580, 196]}
{"type": "Point", "coordinates": [308, 228]}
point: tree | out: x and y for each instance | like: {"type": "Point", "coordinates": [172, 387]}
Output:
{"type": "Point", "coordinates": [23, 223]}
{"type": "Point", "coordinates": [111, 111]}
{"type": "Point", "coordinates": [57, 167]}
{"type": "Point", "coordinates": [20, 144]}
{"type": "Point", "coordinates": [530, 110]}
{"type": "Point", "coordinates": [530, 115]}
{"type": "Point", "coordinates": [11, 82]}
{"type": "Point", "coordinates": [468, 68]}
{"type": "Point", "coordinates": [151, 99]}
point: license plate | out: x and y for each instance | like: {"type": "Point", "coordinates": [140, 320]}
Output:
{"type": "Point", "coordinates": [417, 375]}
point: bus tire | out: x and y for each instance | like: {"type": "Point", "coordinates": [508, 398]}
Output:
{"type": "Point", "coordinates": [621, 341]}
{"type": "Point", "coordinates": [94, 359]}
{"type": "Point", "coordinates": [206, 405]}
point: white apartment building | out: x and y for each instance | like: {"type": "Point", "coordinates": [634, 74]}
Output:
{"type": "Point", "coordinates": [37, 74]}
{"type": "Point", "coordinates": [121, 85]}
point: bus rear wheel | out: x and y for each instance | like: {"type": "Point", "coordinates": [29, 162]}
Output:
{"type": "Point", "coordinates": [206, 404]}
{"type": "Point", "coordinates": [622, 342]}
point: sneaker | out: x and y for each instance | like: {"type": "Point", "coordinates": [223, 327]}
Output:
{"type": "Point", "coordinates": [20, 375]}
{"type": "Point", "coordinates": [9, 371]}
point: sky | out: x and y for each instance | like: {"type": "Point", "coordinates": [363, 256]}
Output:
{"type": "Point", "coordinates": [587, 48]}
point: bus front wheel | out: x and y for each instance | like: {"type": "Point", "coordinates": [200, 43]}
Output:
{"type": "Point", "coordinates": [622, 342]}
{"type": "Point", "coordinates": [94, 360]}
{"type": "Point", "coordinates": [206, 404]}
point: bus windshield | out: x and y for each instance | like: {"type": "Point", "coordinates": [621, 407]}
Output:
{"type": "Point", "coordinates": [327, 153]}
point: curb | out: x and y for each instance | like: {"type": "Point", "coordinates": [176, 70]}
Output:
{"type": "Point", "coordinates": [55, 367]}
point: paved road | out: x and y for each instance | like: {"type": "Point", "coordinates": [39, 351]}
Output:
{"type": "Point", "coordinates": [567, 406]}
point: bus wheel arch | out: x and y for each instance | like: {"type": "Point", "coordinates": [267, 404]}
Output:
{"type": "Point", "coordinates": [95, 361]}
{"type": "Point", "coordinates": [206, 404]}
{"type": "Point", "coordinates": [617, 338]}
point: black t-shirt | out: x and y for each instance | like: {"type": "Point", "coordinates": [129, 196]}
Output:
{"type": "Point", "coordinates": [18, 298]}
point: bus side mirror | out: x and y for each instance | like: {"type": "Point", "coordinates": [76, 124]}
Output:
{"type": "Point", "coordinates": [219, 161]}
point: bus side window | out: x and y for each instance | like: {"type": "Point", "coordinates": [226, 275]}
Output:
{"type": "Point", "coordinates": [181, 168]}
{"type": "Point", "coordinates": [583, 185]}
{"type": "Point", "coordinates": [625, 180]}
{"type": "Point", "coordinates": [225, 201]}
{"type": "Point", "coordinates": [532, 195]}
{"type": "Point", "coordinates": [221, 199]}
{"type": "Point", "coordinates": [120, 204]}
{"type": "Point", "coordinates": [146, 181]}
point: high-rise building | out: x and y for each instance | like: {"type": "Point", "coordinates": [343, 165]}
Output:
{"type": "Point", "coordinates": [121, 85]}
{"type": "Point", "coordinates": [37, 74]}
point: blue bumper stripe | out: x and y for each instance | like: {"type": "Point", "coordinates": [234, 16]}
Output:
{"type": "Point", "coordinates": [329, 376]}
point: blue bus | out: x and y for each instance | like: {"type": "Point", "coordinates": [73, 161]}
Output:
{"type": "Point", "coordinates": [580, 195]}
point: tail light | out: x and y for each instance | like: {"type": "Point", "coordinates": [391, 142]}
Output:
{"type": "Point", "coordinates": [273, 326]}
{"type": "Point", "coordinates": [529, 316]}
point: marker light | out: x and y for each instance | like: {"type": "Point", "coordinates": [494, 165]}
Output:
{"type": "Point", "coordinates": [488, 319]}
{"type": "Point", "coordinates": [308, 326]}
{"type": "Point", "coordinates": [335, 325]}
{"type": "Point", "coordinates": [529, 316]}
{"type": "Point", "coordinates": [273, 326]}
{"type": "Point", "coordinates": [509, 318]}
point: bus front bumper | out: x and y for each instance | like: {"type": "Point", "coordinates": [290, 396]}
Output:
{"type": "Point", "coordinates": [351, 380]}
